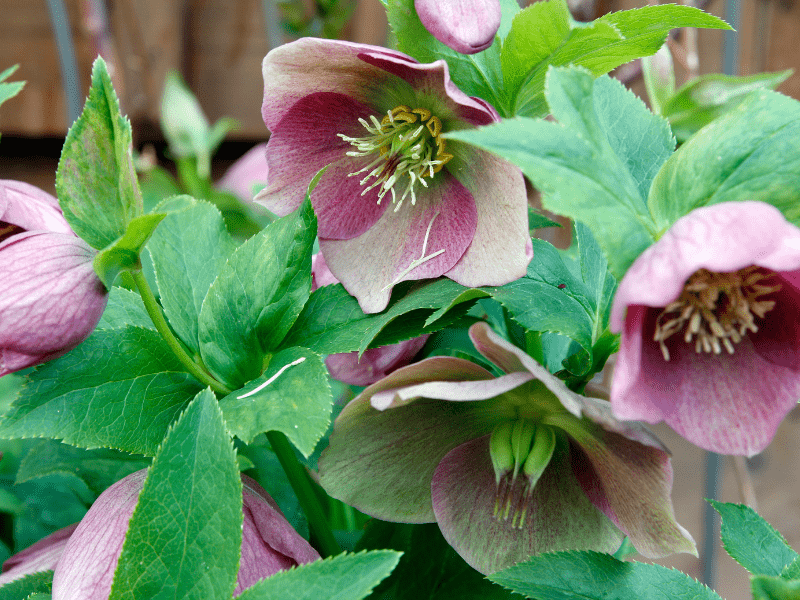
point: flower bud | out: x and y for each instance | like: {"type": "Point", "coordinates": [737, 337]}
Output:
{"type": "Point", "coordinates": [466, 26]}
{"type": "Point", "coordinates": [41, 556]}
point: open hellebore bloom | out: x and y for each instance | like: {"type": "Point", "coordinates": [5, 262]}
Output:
{"type": "Point", "coordinates": [51, 297]}
{"type": "Point", "coordinates": [508, 466]}
{"type": "Point", "coordinates": [86, 568]}
{"type": "Point", "coordinates": [466, 26]}
{"type": "Point", "coordinates": [397, 201]}
{"type": "Point", "coordinates": [373, 364]}
{"type": "Point", "coordinates": [710, 322]}
{"type": "Point", "coordinates": [41, 556]}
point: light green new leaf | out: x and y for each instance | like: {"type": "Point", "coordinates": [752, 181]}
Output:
{"type": "Point", "coordinates": [748, 154]}
{"type": "Point", "coordinates": [658, 73]}
{"type": "Point", "coordinates": [343, 577]}
{"type": "Point", "coordinates": [96, 180]}
{"type": "Point", "coordinates": [751, 541]}
{"type": "Point", "coordinates": [9, 89]}
{"type": "Point", "coordinates": [774, 588]}
{"type": "Point", "coordinates": [121, 388]}
{"type": "Point", "coordinates": [590, 575]}
{"type": "Point", "coordinates": [710, 96]}
{"type": "Point", "coordinates": [185, 535]}
{"type": "Point", "coordinates": [257, 297]}
{"type": "Point", "coordinates": [292, 396]}
{"type": "Point", "coordinates": [189, 249]}
{"type": "Point", "coordinates": [590, 166]}
{"type": "Point", "coordinates": [19, 589]}
{"type": "Point", "coordinates": [123, 254]}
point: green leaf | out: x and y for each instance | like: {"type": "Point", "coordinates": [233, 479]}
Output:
{"type": "Point", "coordinates": [292, 396]}
{"type": "Point", "coordinates": [185, 535]}
{"type": "Point", "coordinates": [96, 181]}
{"type": "Point", "coordinates": [257, 297]}
{"type": "Point", "coordinates": [41, 582]}
{"type": "Point", "coordinates": [189, 249]}
{"type": "Point", "coordinates": [120, 389]}
{"type": "Point", "coordinates": [710, 96]}
{"type": "Point", "coordinates": [599, 46]}
{"type": "Point", "coordinates": [332, 321]}
{"type": "Point", "coordinates": [594, 576]}
{"type": "Point", "coordinates": [343, 577]}
{"type": "Point", "coordinates": [600, 284]}
{"type": "Point", "coordinates": [475, 74]}
{"type": "Point", "coordinates": [589, 166]}
{"type": "Point", "coordinates": [774, 588]}
{"type": "Point", "coordinates": [747, 154]}
{"type": "Point", "coordinates": [751, 541]}
{"type": "Point", "coordinates": [186, 127]}
{"type": "Point", "coordinates": [123, 254]}
{"type": "Point", "coordinates": [429, 567]}
{"type": "Point", "coordinates": [97, 469]}
{"type": "Point", "coordinates": [9, 89]}
{"type": "Point", "coordinates": [792, 570]}
{"type": "Point", "coordinates": [124, 308]}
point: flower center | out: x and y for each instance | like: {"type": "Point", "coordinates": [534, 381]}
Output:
{"type": "Point", "coordinates": [716, 309]}
{"type": "Point", "coordinates": [518, 446]}
{"type": "Point", "coordinates": [8, 229]}
{"type": "Point", "coordinates": [408, 143]}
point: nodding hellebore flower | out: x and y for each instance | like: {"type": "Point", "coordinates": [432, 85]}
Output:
{"type": "Point", "coordinates": [373, 364]}
{"type": "Point", "coordinates": [397, 201]}
{"type": "Point", "coordinates": [508, 466]}
{"type": "Point", "coordinates": [52, 299]}
{"type": "Point", "coordinates": [710, 322]}
{"type": "Point", "coordinates": [86, 568]}
{"type": "Point", "coordinates": [466, 26]}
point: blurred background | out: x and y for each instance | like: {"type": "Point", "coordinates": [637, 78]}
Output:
{"type": "Point", "coordinates": [217, 47]}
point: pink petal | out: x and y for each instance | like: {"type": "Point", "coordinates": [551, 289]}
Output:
{"type": "Point", "coordinates": [29, 208]}
{"type": "Point", "coordinates": [501, 247]}
{"type": "Point", "coordinates": [375, 363]}
{"type": "Point", "coordinates": [249, 170]}
{"type": "Point", "coordinates": [41, 556]}
{"type": "Point", "coordinates": [466, 26]}
{"type": "Point", "coordinates": [559, 517]}
{"type": "Point", "coordinates": [444, 214]}
{"type": "Point", "coordinates": [52, 300]}
{"type": "Point", "coordinates": [731, 404]}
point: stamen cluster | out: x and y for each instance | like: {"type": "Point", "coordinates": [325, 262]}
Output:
{"type": "Point", "coordinates": [408, 143]}
{"type": "Point", "coordinates": [716, 309]}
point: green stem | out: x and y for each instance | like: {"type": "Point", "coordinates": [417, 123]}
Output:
{"type": "Point", "coordinates": [154, 310]}
{"type": "Point", "coordinates": [301, 484]}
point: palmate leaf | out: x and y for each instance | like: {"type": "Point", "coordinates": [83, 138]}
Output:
{"type": "Point", "coordinates": [590, 575]}
{"type": "Point", "coordinates": [121, 388]}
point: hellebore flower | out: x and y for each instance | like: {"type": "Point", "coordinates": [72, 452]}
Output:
{"type": "Point", "coordinates": [466, 26]}
{"type": "Point", "coordinates": [397, 201]}
{"type": "Point", "coordinates": [86, 568]}
{"type": "Point", "coordinates": [41, 556]}
{"type": "Point", "coordinates": [373, 364]}
{"type": "Point", "coordinates": [508, 466]}
{"type": "Point", "coordinates": [51, 297]}
{"type": "Point", "coordinates": [710, 322]}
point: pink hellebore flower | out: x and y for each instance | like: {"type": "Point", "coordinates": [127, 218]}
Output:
{"type": "Point", "coordinates": [51, 297]}
{"type": "Point", "coordinates": [508, 466]}
{"type": "Point", "coordinates": [710, 322]}
{"type": "Point", "coordinates": [466, 26]}
{"type": "Point", "coordinates": [375, 363]}
{"type": "Point", "coordinates": [86, 568]}
{"type": "Point", "coordinates": [41, 556]}
{"type": "Point", "coordinates": [397, 202]}
{"type": "Point", "coordinates": [248, 170]}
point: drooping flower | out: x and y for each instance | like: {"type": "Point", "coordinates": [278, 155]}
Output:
{"type": "Point", "coordinates": [397, 201]}
{"type": "Point", "coordinates": [508, 466]}
{"type": "Point", "coordinates": [41, 556]}
{"type": "Point", "coordinates": [466, 26]}
{"type": "Point", "coordinates": [86, 568]}
{"type": "Point", "coordinates": [375, 363]}
{"type": "Point", "coordinates": [710, 322]}
{"type": "Point", "coordinates": [52, 299]}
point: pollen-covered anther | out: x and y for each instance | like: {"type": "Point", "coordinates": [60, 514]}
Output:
{"type": "Point", "coordinates": [716, 310]}
{"type": "Point", "coordinates": [406, 143]}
